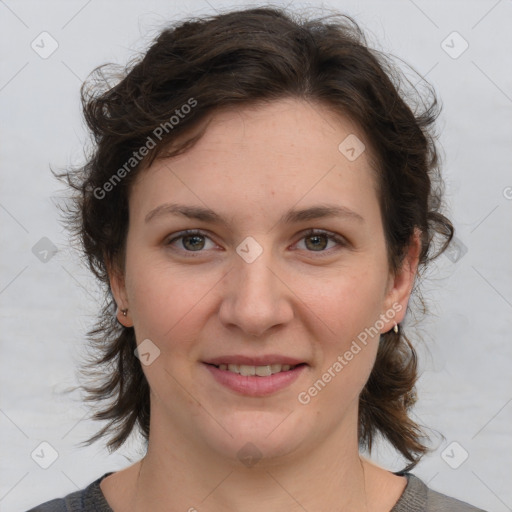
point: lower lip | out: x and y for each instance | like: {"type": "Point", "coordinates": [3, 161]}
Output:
{"type": "Point", "coordinates": [254, 385]}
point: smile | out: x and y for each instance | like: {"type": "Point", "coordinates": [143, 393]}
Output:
{"type": "Point", "coordinates": [260, 371]}
{"type": "Point", "coordinates": [255, 381]}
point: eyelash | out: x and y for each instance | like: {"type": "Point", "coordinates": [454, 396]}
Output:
{"type": "Point", "coordinates": [311, 232]}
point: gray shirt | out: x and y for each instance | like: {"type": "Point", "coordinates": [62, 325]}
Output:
{"type": "Point", "coordinates": [417, 497]}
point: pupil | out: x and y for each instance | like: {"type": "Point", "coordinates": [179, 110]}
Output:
{"type": "Point", "coordinates": [198, 239]}
{"type": "Point", "coordinates": [193, 237]}
{"type": "Point", "coordinates": [317, 237]}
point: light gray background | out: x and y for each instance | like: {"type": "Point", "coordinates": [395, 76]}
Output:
{"type": "Point", "coordinates": [465, 389]}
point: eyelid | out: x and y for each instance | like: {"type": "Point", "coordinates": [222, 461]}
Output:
{"type": "Point", "coordinates": [340, 240]}
{"type": "Point", "coordinates": [187, 232]}
{"type": "Point", "coordinates": [331, 236]}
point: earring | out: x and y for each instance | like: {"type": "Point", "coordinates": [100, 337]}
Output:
{"type": "Point", "coordinates": [124, 311]}
{"type": "Point", "coordinates": [395, 329]}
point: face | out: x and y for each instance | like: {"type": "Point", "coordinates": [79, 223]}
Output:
{"type": "Point", "coordinates": [253, 285]}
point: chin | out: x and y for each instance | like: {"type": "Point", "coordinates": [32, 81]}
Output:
{"type": "Point", "coordinates": [258, 436]}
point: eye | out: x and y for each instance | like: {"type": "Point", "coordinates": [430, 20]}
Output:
{"type": "Point", "coordinates": [318, 240]}
{"type": "Point", "coordinates": [192, 240]}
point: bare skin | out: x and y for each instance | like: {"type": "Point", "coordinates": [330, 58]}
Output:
{"type": "Point", "coordinates": [383, 489]}
{"type": "Point", "coordinates": [251, 167]}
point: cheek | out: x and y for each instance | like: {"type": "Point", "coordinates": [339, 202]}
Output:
{"type": "Point", "coordinates": [349, 308]}
{"type": "Point", "coordinates": [346, 303]}
{"type": "Point", "coordinates": [345, 312]}
{"type": "Point", "coordinates": [167, 301]}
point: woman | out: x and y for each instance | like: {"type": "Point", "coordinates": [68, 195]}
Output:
{"type": "Point", "coordinates": [259, 205]}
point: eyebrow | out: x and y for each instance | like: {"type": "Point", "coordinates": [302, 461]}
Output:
{"type": "Point", "coordinates": [290, 217]}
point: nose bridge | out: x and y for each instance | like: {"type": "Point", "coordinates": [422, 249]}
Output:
{"type": "Point", "coordinates": [256, 297]}
{"type": "Point", "coordinates": [256, 277]}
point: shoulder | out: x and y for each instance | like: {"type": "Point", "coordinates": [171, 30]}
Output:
{"type": "Point", "coordinates": [89, 499]}
{"type": "Point", "coordinates": [417, 497]}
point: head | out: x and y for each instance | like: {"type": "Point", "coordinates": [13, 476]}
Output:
{"type": "Point", "coordinates": [253, 114]}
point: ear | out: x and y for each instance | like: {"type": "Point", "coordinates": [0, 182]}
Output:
{"type": "Point", "coordinates": [117, 285]}
{"type": "Point", "coordinates": [401, 284]}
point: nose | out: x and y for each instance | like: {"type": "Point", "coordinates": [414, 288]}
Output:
{"type": "Point", "coordinates": [256, 298]}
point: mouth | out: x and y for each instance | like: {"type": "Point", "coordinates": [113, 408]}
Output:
{"type": "Point", "coordinates": [255, 380]}
{"type": "Point", "coordinates": [259, 371]}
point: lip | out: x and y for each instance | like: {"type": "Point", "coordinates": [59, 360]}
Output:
{"type": "Point", "coordinates": [253, 385]}
{"type": "Point", "coordinates": [254, 360]}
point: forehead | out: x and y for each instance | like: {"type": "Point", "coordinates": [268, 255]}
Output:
{"type": "Point", "coordinates": [280, 152]}
{"type": "Point", "coordinates": [290, 127]}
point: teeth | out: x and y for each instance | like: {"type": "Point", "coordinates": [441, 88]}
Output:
{"type": "Point", "coordinates": [247, 371]}
{"type": "Point", "coordinates": [260, 371]}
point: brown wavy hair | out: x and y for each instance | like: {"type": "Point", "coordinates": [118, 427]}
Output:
{"type": "Point", "coordinates": [235, 59]}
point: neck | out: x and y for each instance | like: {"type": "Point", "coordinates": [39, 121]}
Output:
{"type": "Point", "coordinates": [188, 476]}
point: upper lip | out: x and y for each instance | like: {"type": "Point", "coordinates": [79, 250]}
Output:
{"type": "Point", "coordinates": [254, 360]}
